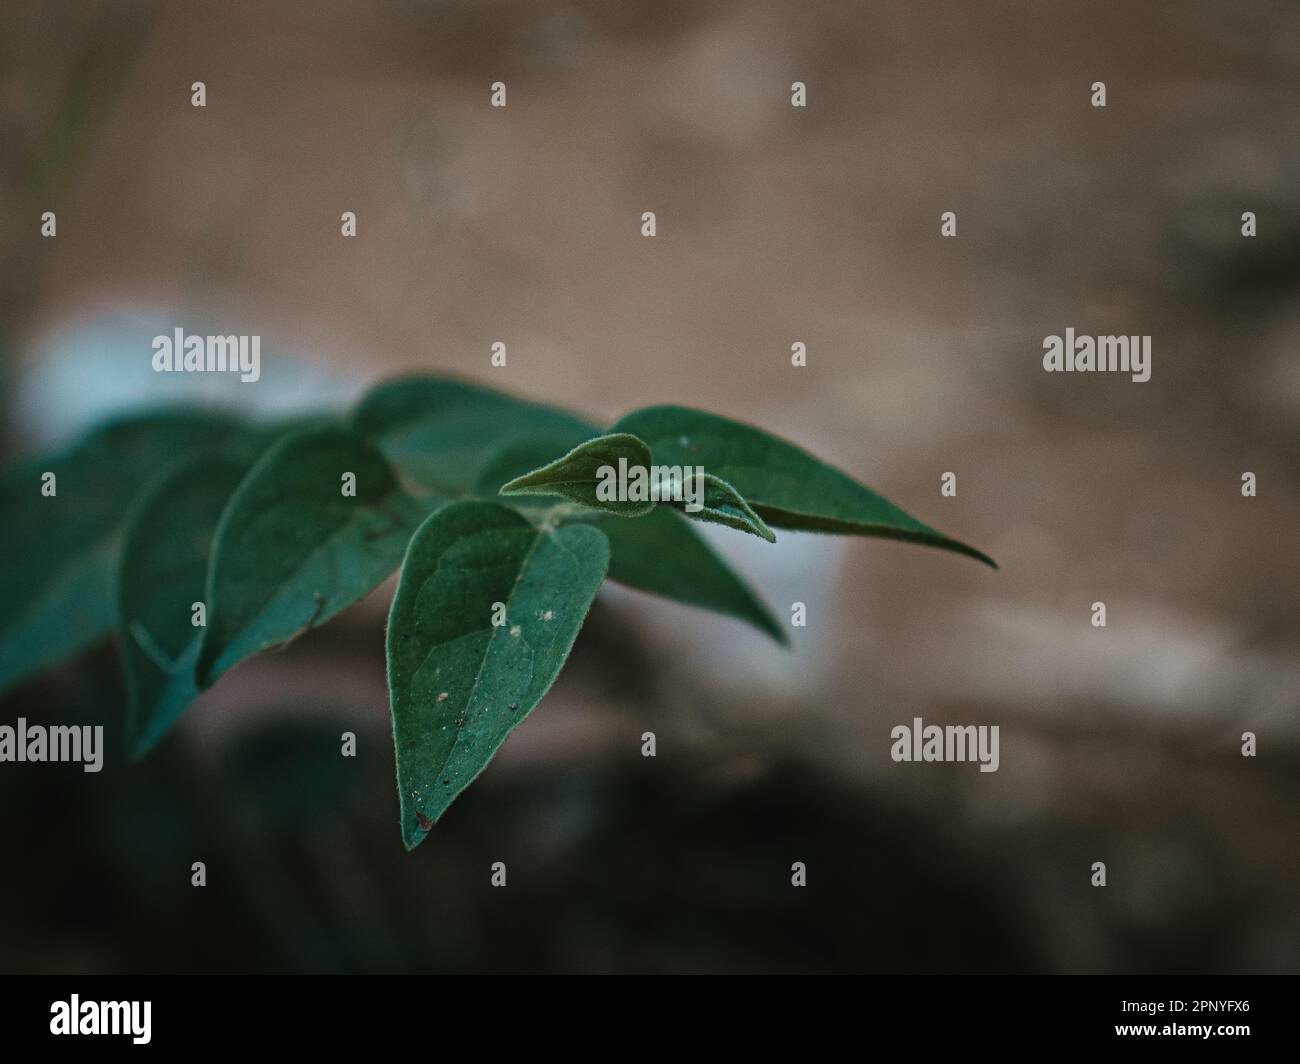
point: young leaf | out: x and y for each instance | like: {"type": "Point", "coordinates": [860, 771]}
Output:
{"type": "Point", "coordinates": [580, 474]}
{"type": "Point", "coordinates": [459, 682]}
{"type": "Point", "coordinates": [516, 457]}
{"type": "Point", "coordinates": [662, 554]}
{"type": "Point", "coordinates": [292, 550]}
{"type": "Point", "coordinates": [784, 484]}
{"type": "Point", "coordinates": [161, 574]}
{"type": "Point", "coordinates": [723, 505]}
{"type": "Point", "coordinates": [440, 432]}
{"type": "Point", "coordinates": [56, 571]}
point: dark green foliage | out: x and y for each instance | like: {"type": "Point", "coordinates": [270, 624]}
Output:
{"type": "Point", "coordinates": [204, 541]}
{"type": "Point", "coordinates": [56, 583]}
{"type": "Point", "coordinates": [485, 614]}
{"type": "Point", "coordinates": [785, 485]}
{"type": "Point", "coordinates": [162, 571]}
{"type": "Point", "coordinates": [292, 550]}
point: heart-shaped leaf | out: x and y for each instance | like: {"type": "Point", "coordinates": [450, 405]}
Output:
{"type": "Point", "coordinates": [292, 550]}
{"type": "Point", "coordinates": [486, 611]}
{"type": "Point", "coordinates": [662, 554]}
{"type": "Point", "coordinates": [56, 569]}
{"type": "Point", "coordinates": [591, 474]}
{"type": "Point", "coordinates": [785, 485]}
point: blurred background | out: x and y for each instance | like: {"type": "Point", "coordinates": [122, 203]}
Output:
{"type": "Point", "coordinates": [775, 225]}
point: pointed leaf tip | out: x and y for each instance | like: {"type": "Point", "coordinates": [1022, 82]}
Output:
{"type": "Point", "coordinates": [721, 504]}
{"type": "Point", "coordinates": [785, 485]}
{"type": "Point", "coordinates": [485, 614]}
{"type": "Point", "coordinates": [663, 554]}
{"type": "Point", "coordinates": [589, 474]}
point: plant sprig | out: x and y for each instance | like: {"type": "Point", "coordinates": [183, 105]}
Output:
{"type": "Point", "coordinates": [241, 537]}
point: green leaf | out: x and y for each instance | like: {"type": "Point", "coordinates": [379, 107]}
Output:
{"type": "Point", "coordinates": [161, 574]}
{"type": "Point", "coordinates": [291, 550]}
{"type": "Point", "coordinates": [441, 432]}
{"type": "Point", "coordinates": [56, 569]}
{"type": "Point", "coordinates": [578, 475]}
{"type": "Point", "coordinates": [723, 505]}
{"type": "Point", "coordinates": [513, 459]}
{"type": "Point", "coordinates": [458, 683]}
{"type": "Point", "coordinates": [662, 554]}
{"type": "Point", "coordinates": [584, 474]}
{"type": "Point", "coordinates": [784, 484]}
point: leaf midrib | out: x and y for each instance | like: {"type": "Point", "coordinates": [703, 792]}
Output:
{"type": "Point", "coordinates": [264, 604]}
{"type": "Point", "coordinates": [538, 534]}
